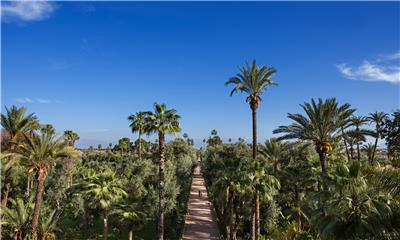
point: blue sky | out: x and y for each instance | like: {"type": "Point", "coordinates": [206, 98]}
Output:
{"type": "Point", "coordinates": [87, 66]}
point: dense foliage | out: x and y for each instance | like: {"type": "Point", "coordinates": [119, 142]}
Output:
{"type": "Point", "coordinates": [354, 195]}
{"type": "Point", "coordinates": [59, 192]}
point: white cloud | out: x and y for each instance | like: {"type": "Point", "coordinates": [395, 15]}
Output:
{"type": "Point", "coordinates": [34, 100]}
{"type": "Point", "coordinates": [26, 10]}
{"type": "Point", "coordinates": [41, 100]}
{"type": "Point", "coordinates": [385, 69]}
{"type": "Point", "coordinates": [24, 100]}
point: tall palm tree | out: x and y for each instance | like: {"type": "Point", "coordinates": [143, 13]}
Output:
{"type": "Point", "coordinates": [358, 133]}
{"type": "Point", "coordinates": [162, 121]}
{"type": "Point", "coordinates": [15, 122]}
{"type": "Point", "coordinates": [273, 151]}
{"type": "Point", "coordinates": [105, 189]}
{"type": "Point", "coordinates": [377, 118]}
{"type": "Point", "coordinates": [39, 154]}
{"type": "Point", "coordinates": [254, 81]}
{"type": "Point", "coordinates": [321, 126]}
{"type": "Point", "coordinates": [69, 163]}
{"type": "Point", "coordinates": [138, 125]}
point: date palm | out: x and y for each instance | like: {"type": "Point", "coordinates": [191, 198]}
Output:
{"type": "Point", "coordinates": [39, 153]}
{"type": "Point", "coordinates": [254, 81]}
{"type": "Point", "coordinates": [377, 118]}
{"type": "Point", "coordinates": [17, 217]}
{"type": "Point", "coordinates": [15, 122]}
{"type": "Point", "coordinates": [138, 125]}
{"type": "Point", "coordinates": [162, 121]}
{"type": "Point", "coordinates": [321, 125]}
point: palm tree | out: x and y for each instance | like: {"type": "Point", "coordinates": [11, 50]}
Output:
{"type": "Point", "coordinates": [254, 81]}
{"type": "Point", "coordinates": [261, 183]}
{"type": "Point", "coordinates": [273, 151]}
{"type": "Point", "coordinates": [105, 189]}
{"type": "Point", "coordinates": [369, 149]}
{"type": "Point", "coordinates": [162, 121]}
{"type": "Point", "coordinates": [48, 226]}
{"type": "Point", "coordinates": [358, 133]}
{"type": "Point", "coordinates": [138, 125]}
{"type": "Point", "coordinates": [39, 153]}
{"type": "Point", "coordinates": [71, 137]}
{"type": "Point", "coordinates": [387, 180]}
{"type": "Point", "coordinates": [69, 164]}
{"type": "Point", "coordinates": [130, 216]}
{"type": "Point", "coordinates": [17, 217]}
{"type": "Point", "coordinates": [321, 126]}
{"type": "Point", "coordinates": [15, 122]}
{"type": "Point", "coordinates": [352, 210]}
{"type": "Point", "coordinates": [377, 118]}
{"type": "Point", "coordinates": [48, 129]}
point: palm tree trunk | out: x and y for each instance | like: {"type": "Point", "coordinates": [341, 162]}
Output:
{"type": "Point", "coordinates": [161, 176]}
{"type": "Point", "coordinates": [130, 234]}
{"type": "Point", "coordinates": [6, 187]}
{"type": "Point", "coordinates": [105, 224]}
{"type": "Point", "coordinates": [375, 146]}
{"type": "Point", "coordinates": [85, 225]}
{"type": "Point", "coordinates": [257, 215]}
{"type": "Point", "coordinates": [256, 221]}
{"type": "Point", "coordinates": [297, 204]}
{"type": "Point", "coordinates": [351, 151]}
{"type": "Point", "coordinates": [140, 147]}
{"type": "Point", "coordinates": [345, 145]}
{"type": "Point", "coordinates": [322, 161]}
{"type": "Point", "coordinates": [358, 152]}
{"type": "Point", "coordinates": [254, 119]}
{"type": "Point", "coordinates": [253, 222]}
{"type": "Point", "coordinates": [28, 186]}
{"type": "Point", "coordinates": [38, 203]}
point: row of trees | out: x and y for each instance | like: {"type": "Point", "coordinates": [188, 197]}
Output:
{"type": "Point", "coordinates": [49, 186]}
{"type": "Point", "coordinates": [328, 129]}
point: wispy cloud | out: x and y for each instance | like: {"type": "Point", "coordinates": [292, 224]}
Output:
{"type": "Point", "coordinates": [24, 100]}
{"type": "Point", "coordinates": [386, 68]}
{"type": "Point", "coordinates": [36, 100]}
{"type": "Point", "coordinates": [97, 130]}
{"type": "Point", "coordinates": [41, 100]}
{"type": "Point", "coordinates": [24, 11]}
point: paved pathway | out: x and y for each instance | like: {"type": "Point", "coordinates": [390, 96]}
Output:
{"type": "Point", "coordinates": [200, 223]}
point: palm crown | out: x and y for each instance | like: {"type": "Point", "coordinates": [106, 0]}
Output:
{"type": "Point", "coordinates": [138, 122]}
{"type": "Point", "coordinates": [320, 124]}
{"type": "Point", "coordinates": [163, 120]}
{"type": "Point", "coordinates": [253, 80]}
{"type": "Point", "coordinates": [15, 121]}
{"type": "Point", "coordinates": [40, 152]}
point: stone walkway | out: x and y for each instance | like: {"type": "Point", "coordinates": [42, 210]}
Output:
{"type": "Point", "coordinates": [200, 223]}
